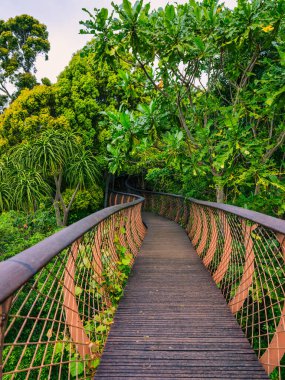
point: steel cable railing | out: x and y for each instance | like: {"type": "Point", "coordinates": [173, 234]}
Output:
{"type": "Point", "coordinates": [58, 298]}
{"type": "Point", "coordinates": [245, 253]}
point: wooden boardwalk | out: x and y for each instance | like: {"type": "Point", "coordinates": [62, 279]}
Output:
{"type": "Point", "coordinates": [173, 322]}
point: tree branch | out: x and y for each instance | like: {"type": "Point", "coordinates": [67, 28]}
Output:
{"type": "Point", "coordinates": [72, 198]}
{"type": "Point", "coordinates": [142, 66]}
{"type": "Point", "coordinates": [270, 152]}
{"type": "Point", "coordinates": [4, 89]}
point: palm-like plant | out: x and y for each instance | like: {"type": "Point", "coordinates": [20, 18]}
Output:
{"type": "Point", "coordinates": [5, 193]}
{"type": "Point", "coordinates": [56, 157]}
{"type": "Point", "coordinates": [28, 188]}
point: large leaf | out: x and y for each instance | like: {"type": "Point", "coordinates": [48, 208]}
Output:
{"type": "Point", "coordinates": [125, 120]}
{"type": "Point", "coordinates": [102, 17]}
{"type": "Point", "coordinates": [127, 7]}
{"type": "Point", "coordinates": [170, 12]}
{"type": "Point", "coordinates": [76, 368]}
{"type": "Point", "coordinates": [199, 43]}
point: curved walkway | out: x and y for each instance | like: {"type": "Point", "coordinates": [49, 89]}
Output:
{"type": "Point", "coordinates": [173, 322]}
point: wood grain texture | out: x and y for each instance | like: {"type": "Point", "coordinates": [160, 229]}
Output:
{"type": "Point", "coordinates": [173, 322]}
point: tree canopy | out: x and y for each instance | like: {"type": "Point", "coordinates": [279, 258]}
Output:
{"type": "Point", "coordinates": [22, 39]}
{"type": "Point", "coordinates": [189, 97]}
{"type": "Point", "coordinates": [214, 70]}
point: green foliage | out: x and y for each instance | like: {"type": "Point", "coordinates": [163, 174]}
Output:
{"type": "Point", "coordinates": [87, 201]}
{"type": "Point", "coordinates": [86, 89]}
{"type": "Point", "coordinates": [19, 230]}
{"type": "Point", "coordinates": [56, 156]}
{"type": "Point", "coordinates": [219, 74]}
{"type": "Point", "coordinates": [22, 39]}
{"type": "Point", "coordinates": [31, 113]}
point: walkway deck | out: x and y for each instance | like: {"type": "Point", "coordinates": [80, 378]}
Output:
{"type": "Point", "coordinates": [173, 323]}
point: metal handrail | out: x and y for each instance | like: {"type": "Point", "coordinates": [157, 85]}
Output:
{"type": "Point", "coordinates": [27, 263]}
{"type": "Point", "coordinates": [276, 224]}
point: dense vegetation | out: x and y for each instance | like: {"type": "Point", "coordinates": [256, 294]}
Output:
{"type": "Point", "coordinates": [215, 125]}
{"type": "Point", "coordinates": [189, 98]}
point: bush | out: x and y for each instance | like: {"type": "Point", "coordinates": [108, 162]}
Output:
{"type": "Point", "coordinates": [19, 231]}
{"type": "Point", "coordinates": [86, 202]}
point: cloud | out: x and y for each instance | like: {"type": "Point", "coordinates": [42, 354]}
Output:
{"type": "Point", "coordinates": [62, 19]}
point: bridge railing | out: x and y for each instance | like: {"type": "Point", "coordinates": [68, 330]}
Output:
{"type": "Point", "coordinates": [58, 298]}
{"type": "Point", "coordinates": [245, 253]}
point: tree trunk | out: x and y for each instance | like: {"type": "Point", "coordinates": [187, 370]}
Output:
{"type": "Point", "coordinates": [184, 126]}
{"type": "Point", "coordinates": [67, 209]}
{"type": "Point", "coordinates": [107, 183]}
{"type": "Point", "coordinates": [113, 182]}
{"type": "Point", "coordinates": [257, 189]}
{"type": "Point", "coordinates": [59, 222]}
{"type": "Point", "coordinates": [65, 217]}
{"type": "Point", "coordinates": [220, 194]}
{"type": "Point", "coordinates": [143, 182]}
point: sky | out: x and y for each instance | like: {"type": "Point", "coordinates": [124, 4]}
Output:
{"type": "Point", "coordinates": [62, 20]}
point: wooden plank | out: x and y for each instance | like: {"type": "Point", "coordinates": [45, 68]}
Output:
{"type": "Point", "coordinates": [173, 322]}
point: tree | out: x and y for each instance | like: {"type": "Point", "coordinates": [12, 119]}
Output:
{"type": "Point", "coordinates": [43, 168]}
{"type": "Point", "coordinates": [85, 89]}
{"type": "Point", "coordinates": [30, 114]}
{"type": "Point", "coordinates": [211, 65]}
{"type": "Point", "coordinates": [22, 39]}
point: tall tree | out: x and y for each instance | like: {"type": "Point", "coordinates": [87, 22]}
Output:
{"type": "Point", "coordinates": [22, 39]}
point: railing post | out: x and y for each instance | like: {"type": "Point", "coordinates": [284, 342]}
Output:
{"type": "Point", "coordinates": [4, 311]}
{"type": "Point", "coordinates": [73, 320]}
{"type": "Point", "coordinates": [198, 226]}
{"type": "Point", "coordinates": [245, 283]}
{"type": "Point", "coordinates": [131, 243]}
{"type": "Point", "coordinates": [178, 206]}
{"type": "Point", "coordinates": [193, 221]}
{"type": "Point", "coordinates": [187, 218]}
{"type": "Point", "coordinates": [135, 234]}
{"type": "Point", "coordinates": [227, 250]}
{"type": "Point", "coordinates": [214, 240]}
{"type": "Point", "coordinates": [204, 230]}
{"type": "Point", "coordinates": [140, 226]}
{"type": "Point", "coordinates": [276, 349]}
{"type": "Point", "coordinates": [97, 254]}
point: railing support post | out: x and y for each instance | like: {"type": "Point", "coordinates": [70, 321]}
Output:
{"type": "Point", "coordinates": [246, 281]}
{"type": "Point", "coordinates": [214, 240]}
{"type": "Point", "coordinates": [75, 325]}
{"type": "Point", "coordinates": [276, 349]}
{"type": "Point", "coordinates": [4, 311]}
{"type": "Point", "coordinates": [204, 230]}
{"type": "Point", "coordinates": [226, 256]}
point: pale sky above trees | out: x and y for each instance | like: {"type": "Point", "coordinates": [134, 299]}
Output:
{"type": "Point", "coordinates": [62, 19]}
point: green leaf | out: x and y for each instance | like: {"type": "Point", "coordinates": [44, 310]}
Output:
{"type": "Point", "coordinates": [95, 363]}
{"type": "Point", "coordinates": [76, 368]}
{"type": "Point", "coordinates": [137, 8]}
{"type": "Point", "coordinates": [78, 290]}
{"type": "Point", "coordinates": [273, 97]}
{"type": "Point", "coordinates": [199, 43]}
{"type": "Point", "coordinates": [101, 328]}
{"type": "Point", "coordinates": [127, 260]}
{"type": "Point", "coordinates": [127, 6]}
{"type": "Point", "coordinates": [86, 262]}
{"type": "Point", "coordinates": [102, 17]}
{"type": "Point", "coordinates": [125, 119]}
{"type": "Point", "coordinates": [58, 348]}
{"type": "Point", "coordinates": [170, 12]}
